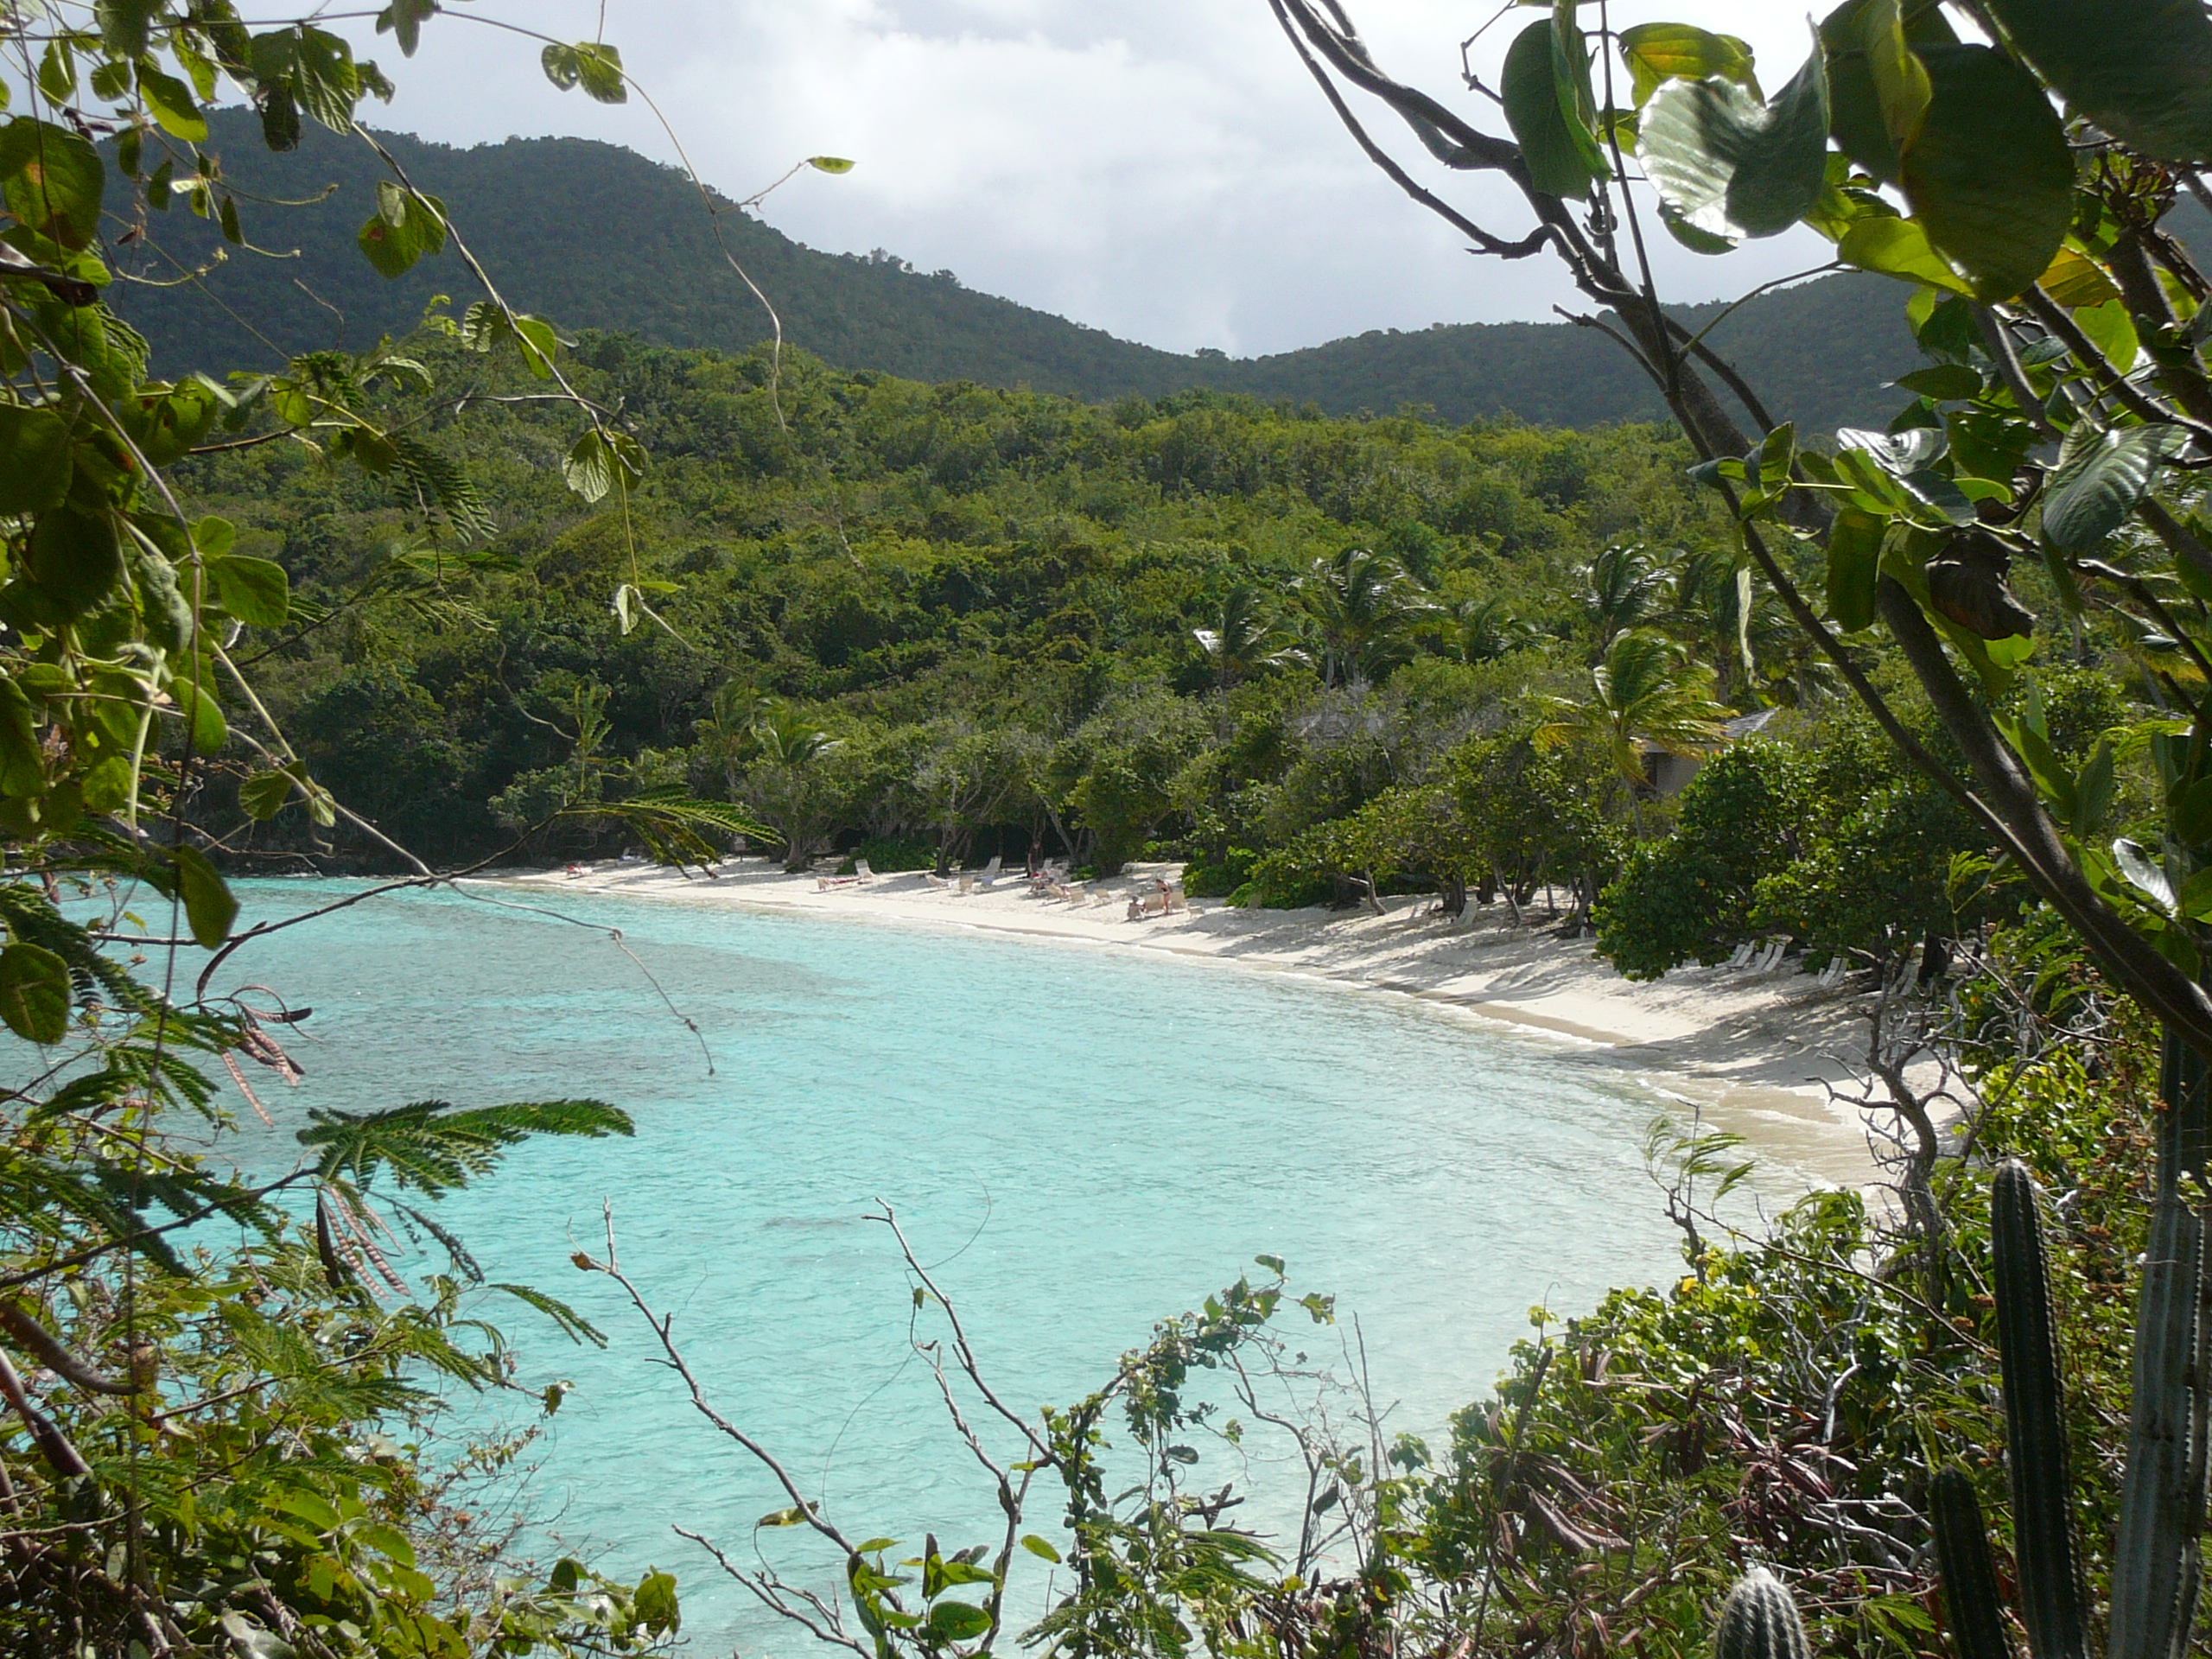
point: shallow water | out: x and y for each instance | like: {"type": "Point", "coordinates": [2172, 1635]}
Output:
{"type": "Point", "coordinates": [1082, 1140]}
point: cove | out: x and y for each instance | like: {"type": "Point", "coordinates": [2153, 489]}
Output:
{"type": "Point", "coordinates": [1079, 1140]}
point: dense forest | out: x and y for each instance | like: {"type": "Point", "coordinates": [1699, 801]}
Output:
{"type": "Point", "coordinates": [600, 238]}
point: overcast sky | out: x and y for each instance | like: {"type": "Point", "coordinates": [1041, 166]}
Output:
{"type": "Point", "coordinates": [1164, 169]}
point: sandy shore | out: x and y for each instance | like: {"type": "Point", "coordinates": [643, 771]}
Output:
{"type": "Point", "coordinates": [1751, 1054]}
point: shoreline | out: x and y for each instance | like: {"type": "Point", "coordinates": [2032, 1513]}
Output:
{"type": "Point", "coordinates": [1747, 1054]}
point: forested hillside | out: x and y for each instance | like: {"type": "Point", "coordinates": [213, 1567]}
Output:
{"type": "Point", "coordinates": [597, 236]}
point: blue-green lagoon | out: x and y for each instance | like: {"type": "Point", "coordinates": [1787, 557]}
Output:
{"type": "Point", "coordinates": [1080, 1139]}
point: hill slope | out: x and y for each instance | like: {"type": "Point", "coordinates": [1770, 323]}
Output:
{"type": "Point", "coordinates": [596, 236]}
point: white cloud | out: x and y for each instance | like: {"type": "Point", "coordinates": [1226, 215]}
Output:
{"type": "Point", "coordinates": [1162, 168]}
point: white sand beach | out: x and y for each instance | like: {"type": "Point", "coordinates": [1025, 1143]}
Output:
{"type": "Point", "coordinates": [1751, 1053]}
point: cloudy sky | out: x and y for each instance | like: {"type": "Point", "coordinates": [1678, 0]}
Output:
{"type": "Point", "coordinates": [1162, 168]}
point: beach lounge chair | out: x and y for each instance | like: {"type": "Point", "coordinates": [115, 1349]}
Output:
{"type": "Point", "coordinates": [1831, 976]}
{"type": "Point", "coordinates": [931, 878]}
{"type": "Point", "coordinates": [1176, 900]}
{"type": "Point", "coordinates": [990, 872]}
{"type": "Point", "coordinates": [1770, 958]}
{"type": "Point", "coordinates": [1742, 959]}
{"type": "Point", "coordinates": [1101, 897]}
{"type": "Point", "coordinates": [967, 885]}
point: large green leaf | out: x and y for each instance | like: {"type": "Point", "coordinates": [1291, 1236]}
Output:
{"type": "Point", "coordinates": [1990, 177]}
{"type": "Point", "coordinates": [406, 227]}
{"type": "Point", "coordinates": [35, 993]}
{"type": "Point", "coordinates": [169, 100]}
{"type": "Point", "coordinates": [1660, 52]}
{"type": "Point", "coordinates": [75, 560]}
{"type": "Point", "coordinates": [1729, 166]}
{"type": "Point", "coordinates": [255, 591]}
{"type": "Point", "coordinates": [34, 464]}
{"type": "Point", "coordinates": [1896, 247]}
{"type": "Point", "coordinates": [2100, 476]}
{"type": "Point", "coordinates": [209, 908]}
{"type": "Point", "coordinates": [2141, 70]}
{"type": "Point", "coordinates": [54, 180]}
{"type": "Point", "coordinates": [1854, 566]}
{"type": "Point", "coordinates": [1557, 160]}
{"type": "Point", "coordinates": [1877, 87]}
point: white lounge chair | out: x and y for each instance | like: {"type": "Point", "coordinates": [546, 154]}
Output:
{"type": "Point", "coordinates": [990, 872]}
{"type": "Point", "coordinates": [1770, 958]}
{"type": "Point", "coordinates": [1831, 976]}
{"type": "Point", "coordinates": [1101, 897]}
{"type": "Point", "coordinates": [931, 878]}
{"type": "Point", "coordinates": [967, 885]}
{"type": "Point", "coordinates": [1742, 958]}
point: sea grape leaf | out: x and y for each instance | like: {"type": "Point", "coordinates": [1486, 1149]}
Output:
{"type": "Point", "coordinates": [1896, 247]}
{"type": "Point", "coordinates": [2100, 479]}
{"type": "Point", "coordinates": [1990, 177]}
{"type": "Point", "coordinates": [2143, 72]}
{"type": "Point", "coordinates": [1855, 567]}
{"type": "Point", "coordinates": [1660, 52]}
{"type": "Point", "coordinates": [1732, 167]}
{"type": "Point", "coordinates": [1558, 163]}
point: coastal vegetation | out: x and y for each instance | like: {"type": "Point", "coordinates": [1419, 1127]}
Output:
{"type": "Point", "coordinates": [494, 593]}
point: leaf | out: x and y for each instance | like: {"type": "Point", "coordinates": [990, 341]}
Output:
{"type": "Point", "coordinates": [2143, 874]}
{"type": "Point", "coordinates": [539, 343]}
{"type": "Point", "coordinates": [35, 463]}
{"type": "Point", "coordinates": [830, 163]}
{"type": "Point", "coordinates": [2072, 281]}
{"type": "Point", "coordinates": [1896, 247]}
{"type": "Point", "coordinates": [263, 796]}
{"type": "Point", "coordinates": [1878, 90]}
{"type": "Point", "coordinates": [2143, 72]}
{"type": "Point", "coordinates": [35, 993]}
{"type": "Point", "coordinates": [1896, 452]}
{"type": "Point", "coordinates": [2112, 331]}
{"type": "Point", "coordinates": [74, 559]}
{"type": "Point", "coordinates": [1990, 177]}
{"type": "Point", "coordinates": [1855, 567]}
{"type": "Point", "coordinates": [1039, 1547]}
{"type": "Point", "coordinates": [573, 1324]}
{"type": "Point", "coordinates": [209, 908]}
{"type": "Point", "coordinates": [957, 1621]}
{"type": "Point", "coordinates": [655, 1603]}
{"type": "Point", "coordinates": [792, 1517]}
{"type": "Point", "coordinates": [169, 101]}
{"type": "Point", "coordinates": [255, 591]}
{"type": "Point", "coordinates": [406, 227]}
{"type": "Point", "coordinates": [1732, 167]}
{"type": "Point", "coordinates": [433, 1147]}
{"type": "Point", "coordinates": [1660, 52]}
{"type": "Point", "coordinates": [1945, 383]}
{"type": "Point", "coordinates": [54, 181]}
{"type": "Point", "coordinates": [2100, 479]}
{"type": "Point", "coordinates": [402, 19]}
{"type": "Point", "coordinates": [324, 79]}
{"type": "Point", "coordinates": [1556, 159]}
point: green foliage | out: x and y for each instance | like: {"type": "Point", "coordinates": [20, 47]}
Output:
{"type": "Point", "coordinates": [1689, 897]}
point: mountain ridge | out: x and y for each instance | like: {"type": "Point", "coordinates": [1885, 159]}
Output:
{"type": "Point", "coordinates": [595, 236]}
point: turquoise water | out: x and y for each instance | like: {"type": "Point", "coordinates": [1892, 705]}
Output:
{"type": "Point", "coordinates": [1085, 1138]}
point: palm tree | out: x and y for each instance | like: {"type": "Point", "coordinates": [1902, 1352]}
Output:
{"type": "Point", "coordinates": [1483, 630]}
{"type": "Point", "coordinates": [1645, 691]}
{"type": "Point", "coordinates": [1244, 638]}
{"type": "Point", "coordinates": [785, 783]}
{"type": "Point", "coordinates": [1364, 607]}
{"type": "Point", "coordinates": [1620, 589]}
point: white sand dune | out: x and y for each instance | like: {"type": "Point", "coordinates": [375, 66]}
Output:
{"type": "Point", "coordinates": [1754, 1055]}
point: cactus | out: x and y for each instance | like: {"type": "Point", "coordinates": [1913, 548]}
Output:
{"type": "Point", "coordinates": [2155, 1563]}
{"type": "Point", "coordinates": [1968, 1577]}
{"type": "Point", "coordinates": [2035, 1422]}
{"type": "Point", "coordinates": [1759, 1620]}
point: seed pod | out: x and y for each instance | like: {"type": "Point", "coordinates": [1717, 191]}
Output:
{"type": "Point", "coordinates": [1759, 1620]}
{"type": "Point", "coordinates": [1963, 1567]}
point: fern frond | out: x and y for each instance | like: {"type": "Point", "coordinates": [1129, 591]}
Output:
{"type": "Point", "coordinates": [432, 1147]}
{"type": "Point", "coordinates": [573, 1324]}
{"type": "Point", "coordinates": [438, 486]}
